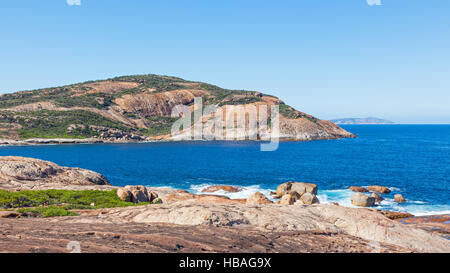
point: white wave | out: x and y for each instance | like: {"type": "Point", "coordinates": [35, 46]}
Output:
{"type": "Point", "coordinates": [243, 194]}
{"type": "Point", "coordinates": [427, 213]}
{"type": "Point", "coordinates": [343, 197]}
{"type": "Point", "coordinates": [336, 196]}
{"type": "Point", "coordinates": [417, 208]}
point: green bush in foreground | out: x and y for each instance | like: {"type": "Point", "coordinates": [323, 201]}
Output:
{"type": "Point", "coordinates": [51, 211]}
{"type": "Point", "coordinates": [63, 199]}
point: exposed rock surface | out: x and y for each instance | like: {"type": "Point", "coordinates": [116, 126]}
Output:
{"type": "Point", "coordinates": [19, 173]}
{"type": "Point", "coordinates": [379, 189]}
{"type": "Point", "coordinates": [33, 236]}
{"type": "Point", "coordinates": [289, 199]}
{"type": "Point", "coordinates": [172, 196]}
{"type": "Point", "coordinates": [258, 199]}
{"type": "Point", "coordinates": [399, 198]}
{"type": "Point", "coordinates": [438, 224]}
{"type": "Point", "coordinates": [297, 193]}
{"type": "Point", "coordinates": [358, 189]}
{"type": "Point", "coordinates": [364, 223]}
{"type": "Point", "coordinates": [362, 200]}
{"type": "Point", "coordinates": [136, 194]}
{"type": "Point", "coordinates": [395, 215]}
{"type": "Point", "coordinates": [308, 199]}
{"type": "Point", "coordinates": [299, 187]}
{"type": "Point", "coordinates": [378, 198]}
{"type": "Point", "coordinates": [225, 188]}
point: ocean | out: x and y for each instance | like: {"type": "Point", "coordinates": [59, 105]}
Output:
{"type": "Point", "coordinates": [413, 160]}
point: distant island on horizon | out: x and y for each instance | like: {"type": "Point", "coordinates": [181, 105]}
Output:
{"type": "Point", "coordinates": [369, 120]}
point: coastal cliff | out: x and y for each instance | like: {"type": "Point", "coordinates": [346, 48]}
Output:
{"type": "Point", "coordinates": [133, 108]}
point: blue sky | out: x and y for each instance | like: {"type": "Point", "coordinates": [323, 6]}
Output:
{"type": "Point", "coordinates": [329, 58]}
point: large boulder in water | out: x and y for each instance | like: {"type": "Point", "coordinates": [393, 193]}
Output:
{"type": "Point", "coordinates": [399, 198]}
{"type": "Point", "coordinates": [358, 189]}
{"type": "Point", "coordinates": [377, 197]}
{"type": "Point", "coordinates": [225, 188]}
{"type": "Point", "coordinates": [362, 200]}
{"type": "Point", "coordinates": [379, 189]}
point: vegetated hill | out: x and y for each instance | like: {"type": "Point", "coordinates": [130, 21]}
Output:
{"type": "Point", "coordinates": [369, 120]}
{"type": "Point", "coordinates": [134, 108]}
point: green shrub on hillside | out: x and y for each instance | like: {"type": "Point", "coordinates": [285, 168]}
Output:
{"type": "Point", "coordinates": [159, 126]}
{"type": "Point", "coordinates": [96, 100]}
{"type": "Point", "coordinates": [288, 112]}
{"type": "Point", "coordinates": [160, 83]}
{"type": "Point", "coordinates": [55, 124]}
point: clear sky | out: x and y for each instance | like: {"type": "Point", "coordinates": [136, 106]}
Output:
{"type": "Point", "coordinates": [329, 58]}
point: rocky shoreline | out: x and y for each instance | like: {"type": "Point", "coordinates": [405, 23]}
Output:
{"type": "Point", "coordinates": [173, 220]}
{"type": "Point", "coordinates": [62, 141]}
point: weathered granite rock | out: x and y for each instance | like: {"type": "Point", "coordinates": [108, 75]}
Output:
{"type": "Point", "coordinates": [377, 197]}
{"type": "Point", "coordinates": [174, 196]}
{"type": "Point", "coordinates": [225, 188]}
{"type": "Point", "coordinates": [20, 173]}
{"type": "Point", "coordinates": [362, 200]}
{"type": "Point", "coordinates": [308, 199]}
{"type": "Point", "coordinates": [139, 194]}
{"type": "Point", "coordinates": [43, 235]}
{"type": "Point", "coordinates": [395, 215]}
{"type": "Point", "coordinates": [379, 189]}
{"type": "Point", "coordinates": [289, 199]}
{"type": "Point", "coordinates": [363, 223]}
{"type": "Point", "coordinates": [258, 199]}
{"type": "Point", "coordinates": [283, 189]}
{"type": "Point", "coordinates": [399, 198]}
{"type": "Point", "coordinates": [298, 187]}
{"type": "Point", "coordinates": [436, 224]}
{"type": "Point", "coordinates": [124, 195]}
{"type": "Point", "coordinates": [136, 194]}
{"type": "Point", "coordinates": [358, 189]}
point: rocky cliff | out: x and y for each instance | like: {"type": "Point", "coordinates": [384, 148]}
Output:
{"type": "Point", "coordinates": [135, 108]}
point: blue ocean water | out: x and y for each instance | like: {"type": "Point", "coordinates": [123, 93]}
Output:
{"type": "Point", "coordinates": [413, 160]}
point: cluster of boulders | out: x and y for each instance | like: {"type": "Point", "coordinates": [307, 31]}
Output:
{"type": "Point", "coordinates": [137, 194]}
{"type": "Point", "coordinates": [298, 193]}
{"type": "Point", "coordinates": [362, 200]}
{"type": "Point", "coordinates": [109, 134]}
{"type": "Point", "coordinates": [290, 193]}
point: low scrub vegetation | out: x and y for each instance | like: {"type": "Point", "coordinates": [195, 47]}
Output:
{"type": "Point", "coordinates": [159, 126]}
{"type": "Point", "coordinates": [59, 124]}
{"type": "Point", "coordinates": [51, 203]}
{"type": "Point", "coordinates": [44, 212]}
